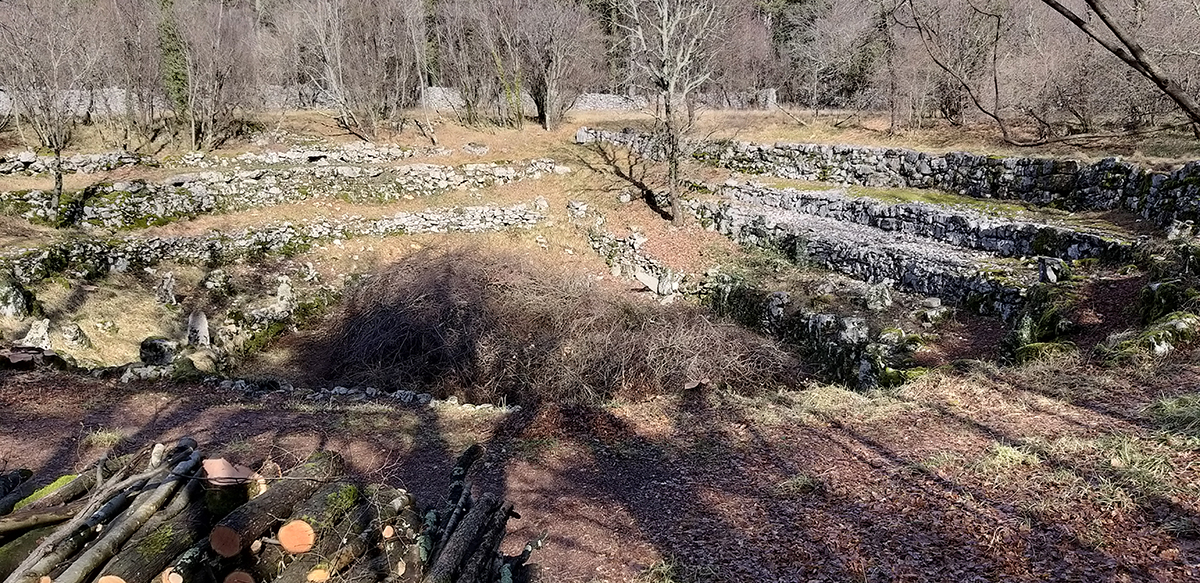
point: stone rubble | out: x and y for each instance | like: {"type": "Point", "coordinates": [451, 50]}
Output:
{"type": "Point", "coordinates": [868, 254]}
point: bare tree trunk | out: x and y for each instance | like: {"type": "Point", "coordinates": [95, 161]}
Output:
{"type": "Point", "coordinates": [672, 152]}
{"type": "Point", "coordinates": [56, 200]}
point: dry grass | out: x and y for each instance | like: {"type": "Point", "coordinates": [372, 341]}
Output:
{"type": "Point", "coordinates": [104, 438]}
{"type": "Point", "coordinates": [487, 326]}
{"type": "Point", "coordinates": [16, 233]}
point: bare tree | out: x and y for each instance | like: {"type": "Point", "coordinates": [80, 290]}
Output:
{"type": "Point", "coordinates": [673, 43]}
{"type": "Point", "coordinates": [48, 67]}
{"type": "Point", "coordinates": [558, 40]}
{"type": "Point", "coordinates": [464, 57]}
{"type": "Point", "coordinates": [1124, 46]}
{"type": "Point", "coordinates": [130, 42]}
{"type": "Point", "coordinates": [362, 57]}
{"type": "Point", "coordinates": [219, 51]}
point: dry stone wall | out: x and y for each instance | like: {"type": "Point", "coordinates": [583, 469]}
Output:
{"type": "Point", "coordinates": [30, 164]}
{"type": "Point", "coordinates": [958, 227]}
{"type": "Point", "coordinates": [1110, 184]}
{"type": "Point", "coordinates": [95, 257]}
{"type": "Point", "coordinates": [135, 204]}
{"type": "Point", "coordinates": [919, 265]}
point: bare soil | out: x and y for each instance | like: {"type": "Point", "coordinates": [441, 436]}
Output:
{"type": "Point", "coordinates": [811, 486]}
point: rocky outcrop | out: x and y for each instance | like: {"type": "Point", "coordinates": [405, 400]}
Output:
{"type": "Point", "coordinates": [14, 299]}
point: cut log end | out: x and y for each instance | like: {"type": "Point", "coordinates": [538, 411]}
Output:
{"type": "Point", "coordinates": [388, 531]}
{"type": "Point", "coordinates": [45, 579]}
{"type": "Point", "coordinates": [172, 577]}
{"type": "Point", "coordinates": [239, 577]}
{"type": "Point", "coordinates": [318, 575]}
{"type": "Point", "coordinates": [110, 579]}
{"type": "Point", "coordinates": [226, 541]}
{"type": "Point", "coordinates": [297, 537]}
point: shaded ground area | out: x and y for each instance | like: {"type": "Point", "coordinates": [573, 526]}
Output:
{"type": "Point", "coordinates": [1045, 472]}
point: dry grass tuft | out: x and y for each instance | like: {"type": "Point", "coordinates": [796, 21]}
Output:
{"type": "Point", "coordinates": [1180, 413]}
{"type": "Point", "coordinates": [103, 438]}
{"type": "Point", "coordinates": [487, 325]}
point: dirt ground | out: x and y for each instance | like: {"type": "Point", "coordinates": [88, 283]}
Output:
{"type": "Point", "coordinates": [1040, 473]}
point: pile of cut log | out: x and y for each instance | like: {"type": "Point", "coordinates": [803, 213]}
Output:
{"type": "Point", "coordinates": [167, 515]}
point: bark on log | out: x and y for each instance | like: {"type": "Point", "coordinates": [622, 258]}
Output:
{"type": "Point", "coordinates": [75, 539]}
{"type": "Point", "coordinates": [15, 551]}
{"type": "Point", "coordinates": [67, 540]}
{"type": "Point", "coordinates": [271, 561]}
{"type": "Point", "coordinates": [114, 537]}
{"type": "Point", "coordinates": [21, 491]}
{"type": "Point", "coordinates": [449, 563]}
{"type": "Point", "coordinates": [10, 480]}
{"type": "Point", "coordinates": [140, 561]}
{"type": "Point", "coordinates": [82, 483]}
{"type": "Point", "coordinates": [368, 570]}
{"type": "Point", "coordinates": [484, 562]}
{"type": "Point", "coordinates": [457, 503]}
{"type": "Point", "coordinates": [236, 531]}
{"type": "Point", "coordinates": [316, 515]}
{"type": "Point", "coordinates": [198, 564]}
{"type": "Point", "coordinates": [185, 521]}
{"type": "Point", "coordinates": [336, 554]}
{"type": "Point", "coordinates": [26, 519]}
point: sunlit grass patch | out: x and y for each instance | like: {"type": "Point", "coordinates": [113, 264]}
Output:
{"type": "Point", "coordinates": [1002, 458]}
{"type": "Point", "coordinates": [799, 485]}
{"type": "Point", "coordinates": [1180, 414]}
{"type": "Point", "coordinates": [671, 570]}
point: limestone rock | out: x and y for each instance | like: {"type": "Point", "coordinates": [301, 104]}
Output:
{"type": "Point", "coordinates": [1052, 269]}
{"type": "Point", "coordinates": [38, 336]}
{"type": "Point", "coordinates": [198, 329]}
{"type": "Point", "coordinates": [158, 351]}
{"type": "Point", "coordinates": [74, 336]}
{"type": "Point", "coordinates": [577, 209]}
{"type": "Point", "coordinates": [878, 297]}
{"type": "Point", "coordinates": [165, 292]}
{"type": "Point", "coordinates": [13, 300]}
{"type": "Point", "coordinates": [205, 361]}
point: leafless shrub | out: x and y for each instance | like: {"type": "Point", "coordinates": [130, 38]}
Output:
{"type": "Point", "coordinates": [489, 326]}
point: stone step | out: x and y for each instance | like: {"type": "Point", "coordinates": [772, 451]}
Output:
{"type": "Point", "coordinates": [978, 280]}
{"type": "Point", "coordinates": [960, 227]}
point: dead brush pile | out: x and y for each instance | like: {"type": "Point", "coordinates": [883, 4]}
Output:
{"type": "Point", "coordinates": [489, 326]}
